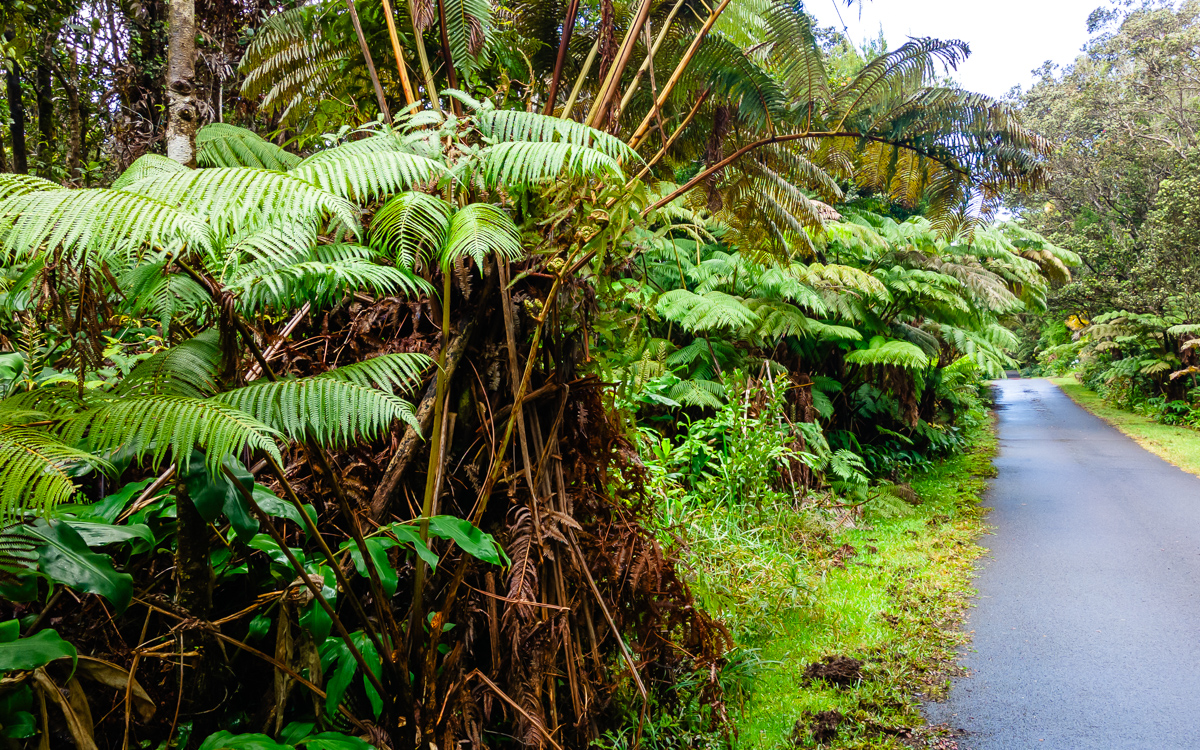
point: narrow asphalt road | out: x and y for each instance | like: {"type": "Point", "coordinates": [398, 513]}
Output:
{"type": "Point", "coordinates": [1087, 625]}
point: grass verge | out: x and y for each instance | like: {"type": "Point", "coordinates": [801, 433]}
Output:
{"type": "Point", "coordinates": [1178, 445]}
{"type": "Point", "coordinates": [889, 593]}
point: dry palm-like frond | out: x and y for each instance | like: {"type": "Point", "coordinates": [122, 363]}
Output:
{"type": "Point", "coordinates": [96, 222]}
{"type": "Point", "coordinates": [477, 230]}
{"type": "Point", "coordinates": [331, 410]}
{"type": "Point", "coordinates": [222, 145]}
{"type": "Point", "coordinates": [36, 469]}
{"type": "Point", "coordinates": [361, 176]}
{"type": "Point", "coordinates": [160, 425]}
{"type": "Point", "coordinates": [239, 199]}
{"type": "Point", "coordinates": [186, 369]}
{"type": "Point", "coordinates": [147, 165]}
{"type": "Point", "coordinates": [13, 184]}
{"type": "Point", "coordinates": [296, 63]}
{"type": "Point", "coordinates": [411, 227]}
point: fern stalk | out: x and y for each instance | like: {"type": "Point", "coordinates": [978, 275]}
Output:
{"type": "Point", "coordinates": [587, 67]}
{"type": "Point", "coordinates": [362, 42]}
{"type": "Point", "coordinates": [431, 90]}
{"type": "Point", "coordinates": [604, 98]}
{"type": "Point", "coordinates": [642, 129]}
{"type": "Point", "coordinates": [652, 51]}
{"type": "Point", "coordinates": [563, 43]}
{"type": "Point", "coordinates": [409, 98]}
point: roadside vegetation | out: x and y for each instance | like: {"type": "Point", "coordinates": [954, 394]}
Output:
{"type": "Point", "coordinates": [450, 374]}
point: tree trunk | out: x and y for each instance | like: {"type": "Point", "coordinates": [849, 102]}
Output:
{"type": "Point", "coordinates": [194, 592]}
{"type": "Point", "coordinates": [3, 154]}
{"type": "Point", "coordinates": [74, 121]}
{"type": "Point", "coordinates": [44, 90]}
{"type": "Point", "coordinates": [183, 116]}
{"type": "Point", "coordinates": [16, 113]}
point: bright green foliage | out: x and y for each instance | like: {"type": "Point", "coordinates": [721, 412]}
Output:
{"type": "Point", "coordinates": [516, 126]}
{"type": "Point", "coordinates": [363, 177]}
{"type": "Point", "coordinates": [520, 163]}
{"type": "Point", "coordinates": [223, 145]}
{"type": "Point", "coordinates": [894, 353]}
{"type": "Point", "coordinates": [146, 165]}
{"type": "Point", "coordinates": [162, 426]}
{"type": "Point", "coordinates": [411, 227]}
{"type": "Point", "coordinates": [478, 230]}
{"type": "Point", "coordinates": [332, 411]}
{"type": "Point", "coordinates": [186, 369]}
{"type": "Point", "coordinates": [36, 467]}
{"type": "Point", "coordinates": [19, 184]}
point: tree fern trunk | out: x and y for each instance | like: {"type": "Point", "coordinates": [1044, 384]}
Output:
{"type": "Point", "coordinates": [16, 114]}
{"type": "Point", "coordinates": [182, 118]}
{"type": "Point", "coordinates": [194, 592]}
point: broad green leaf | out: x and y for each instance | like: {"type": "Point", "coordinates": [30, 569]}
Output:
{"type": "Point", "coordinates": [37, 650]}
{"type": "Point", "coordinates": [377, 549]}
{"type": "Point", "coordinates": [333, 741]}
{"type": "Point", "coordinates": [16, 709]}
{"type": "Point", "coordinates": [313, 616]}
{"type": "Point", "coordinates": [471, 539]}
{"type": "Point", "coordinates": [66, 559]}
{"type": "Point", "coordinates": [111, 506]}
{"type": "Point", "coordinates": [10, 630]}
{"type": "Point", "coordinates": [96, 534]}
{"type": "Point", "coordinates": [408, 534]}
{"type": "Point", "coordinates": [215, 495]}
{"type": "Point", "coordinates": [224, 740]}
{"type": "Point", "coordinates": [335, 653]}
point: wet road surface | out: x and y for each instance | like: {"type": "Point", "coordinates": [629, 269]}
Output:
{"type": "Point", "coordinates": [1087, 626]}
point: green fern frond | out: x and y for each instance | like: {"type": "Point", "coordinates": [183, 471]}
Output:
{"type": "Point", "coordinates": [703, 393]}
{"type": "Point", "coordinates": [477, 230]}
{"type": "Point", "coordinates": [893, 353]}
{"type": "Point", "coordinates": [237, 199]}
{"type": "Point", "coordinates": [13, 184]}
{"type": "Point", "coordinates": [387, 372]}
{"type": "Point", "coordinates": [363, 177]}
{"type": "Point", "coordinates": [158, 425]}
{"type": "Point", "coordinates": [219, 144]}
{"type": "Point", "coordinates": [710, 311]}
{"type": "Point", "coordinates": [96, 222]}
{"type": "Point", "coordinates": [147, 165]}
{"type": "Point", "coordinates": [331, 410]}
{"type": "Point", "coordinates": [522, 163]}
{"type": "Point", "coordinates": [186, 369]}
{"type": "Point", "coordinates": [36, 469]}
{"type": "Point", "coordinates": [503, 125]}
{"type": "Point", "coordinates": [411, 227]}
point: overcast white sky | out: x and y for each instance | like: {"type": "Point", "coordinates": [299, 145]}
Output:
{"type": "Point", "coordinates": [1008, 39]}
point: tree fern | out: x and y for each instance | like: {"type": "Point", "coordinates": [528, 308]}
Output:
{"type": "Point", "coordinates": [36, 469]}
{"type": "Point", "coordinates": [477, 230]}
{"type": "Point", "coordinates": [96, 222]}
{"type": "Point", "coordinates": [362, 177]}
{"type": "Point", "coordinates": [411, 227]}
{"type": "Point", "coordinates": [522, 163]}
{"type": "Point", "coordinates": [334, 411]}
{"type": "Point", "coordinates": [893, 353]}
{"type": "Point", "coordinates": [240, 198]}
{"type": "Point", "coordinates": [12, 184]}
{"type": "Point", "coordinates": [222, 145]}
{"type": "Point", "coordinates": [160, 425]}
{"type": "Point", "coordinates": [187, 369]}
{"type": "Point", "coordinates": [147, 165]}
{"type": "Point", "coordinates": [710, 311]}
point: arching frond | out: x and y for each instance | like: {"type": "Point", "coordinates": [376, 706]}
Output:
{"type": "Point", "coordinates": [704, 312]}
{"type": "Point", "coordinates": [237, 199]}
{"type": "Point", "coordinates": [147, 165]}
{"type": "Point", "coordinates": [388, 372]}
{"type": "Point", "coordinates": [98, 222]}
{"type": "Point", "coordinates": [12, 184]}
{"type": "Point", "coordinates": [331, 410]}
{"type": "Point", "coordinates": [477, 230]}
{"type": "Point", "coordinates": [893, 353]}
{"type": "Point", "coordinates": [186, 369]}
{"type": "Point", "coordinates": [411, 227]}
{"type": "Point", "coordinates": [363, 177]}
{"type": "Point", "coordinates": [703, 393]}
{"type": "Point", "coordinates": [514, 125]}
{"type": "Point", "coordinates": [520, 163]}
{"type": "Point", "coordinates": [158, 425]}
{"type": "Point", "coordinates": [219, 144]}
{"type": "Point", "coordinates": [36, 469]}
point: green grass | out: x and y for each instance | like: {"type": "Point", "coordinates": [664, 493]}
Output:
{"type": "Point", "coordinates": [1178, 445]}
{"type": "Point", "coordinates": [894, 598]}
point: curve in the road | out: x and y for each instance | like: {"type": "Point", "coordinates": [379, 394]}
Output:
{"type": "Point", "coordinates": [1086, 631]}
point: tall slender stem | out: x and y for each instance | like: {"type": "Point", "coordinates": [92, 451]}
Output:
{"type": "Point", "coordinates": [409, 98]}
{"type": "Point", "coordinates": [599, 115]}
{"type": "Point", "coordinates": [362, 42]}
{"type": "Point", "coordinates": [563, 43]}
{"type": "Point", "coordinates": [448, 56]}
{"type": "Point", "coordinates": [431, 89]}
{"type": "Point", "coordinates": [587, 67]}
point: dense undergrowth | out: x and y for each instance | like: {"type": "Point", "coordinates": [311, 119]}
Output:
{"type": "Point", "coordinates": [844, 609]}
